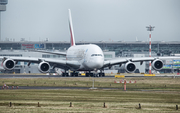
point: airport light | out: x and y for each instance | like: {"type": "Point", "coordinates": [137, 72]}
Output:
{"type": "Point", "coordinates": [150, 28]}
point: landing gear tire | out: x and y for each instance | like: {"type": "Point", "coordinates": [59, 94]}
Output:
{"type": "Point", "coordinates": [74, 74]}
{"type": "Point", "coordinates": [65, 75]}
{"type": "Point", "coordinates": [101, 74]}
{"type": "Point", "coordinates": [89, 74]}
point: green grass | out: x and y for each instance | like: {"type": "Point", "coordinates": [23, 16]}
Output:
{"type": "Point", "coordinates": [142, 83]}
{"type": "Point", "coordinates": [151, 93]}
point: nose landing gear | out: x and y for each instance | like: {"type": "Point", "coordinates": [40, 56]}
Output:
{"type": "Point", "coordinates": [101, 74]}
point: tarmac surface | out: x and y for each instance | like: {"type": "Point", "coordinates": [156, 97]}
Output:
{"type": "Point", "coordinates": [50, 87]}
{"type": "Point", "coordinates": [27, 76]}
{"type": "Point", "coordinates": [35, 76]}
{"type": "Point", "coordinates": [58, 76]}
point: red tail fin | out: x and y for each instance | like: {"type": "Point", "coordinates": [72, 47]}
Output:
{"type": "Point", "coordinates": [71, 29]}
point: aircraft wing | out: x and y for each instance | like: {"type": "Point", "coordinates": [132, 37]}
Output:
{"type": "Point", "coordinates": [63, 64]}
{"type": "Point", "coordinates": [119, 61]}
{"type": "Point", "coordinates": [24, 59]}
{"type": "Point", "coordinates": [125, 60]}
{"type": "Point", "coordinates": [152, 58]}
{"type": "Point", "coordinates": [116, 61]}
{"type": "Point", "coordinates": [56, 53]}
{"type": "Point", "coordinates": [140, 59]}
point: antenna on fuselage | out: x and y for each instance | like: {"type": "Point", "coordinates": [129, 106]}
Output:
{"type": "Point", "coordinates": [72, 40]}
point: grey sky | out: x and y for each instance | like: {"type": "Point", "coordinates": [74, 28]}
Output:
{"type": "Point", "coordinates": [93, 20]}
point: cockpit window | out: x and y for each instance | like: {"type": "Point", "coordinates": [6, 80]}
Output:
{"type": "Point", "coordinates": [96, 55]}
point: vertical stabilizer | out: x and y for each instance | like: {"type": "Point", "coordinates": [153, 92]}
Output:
{"type": "Point", "coordinates": [71, 29]}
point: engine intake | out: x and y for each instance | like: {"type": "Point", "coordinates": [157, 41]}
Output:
{"type": "Point", "coordinates": [130, 67]}
{"type": "Point", "coordinates": [157, 64]}
{"type": "Point", "coordinates": [8, 64]}
{"type": "Point", "coordinates": [44, 67]}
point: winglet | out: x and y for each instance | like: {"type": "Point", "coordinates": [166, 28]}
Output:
{"type": "Point", "coordinates": [71, 29]}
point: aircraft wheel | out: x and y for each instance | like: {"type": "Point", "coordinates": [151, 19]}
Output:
{"type": "Point", "coordinates": [67, 74]}
{"type": "Point", "coordinates": [103, 74]}
{"type": "Point", "coordinates": [72, 74]}
{"type": "Point", "coordinates": [87, 74]}
{"type": "Point", "coordinates": [63, 74]}
{"type": "Point", "coordinates": [91, 74]}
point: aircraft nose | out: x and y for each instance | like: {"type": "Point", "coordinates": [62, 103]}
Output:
{"type": "Point", "coordinates": [98, 63]}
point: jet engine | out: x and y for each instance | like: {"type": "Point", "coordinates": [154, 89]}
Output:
{"type": "Point", "coordinates": [8, 64]}
{"type": "Point", "coordinates": [157, 64]}
{"type": "Point", "coordinates": [44, 67]}
{"type": "Point", "coordinates": [130, 67]}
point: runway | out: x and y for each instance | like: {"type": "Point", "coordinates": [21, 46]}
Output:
{"type": "Point", "coordinates": [27, 76]}
{"type": "Point", "coordinates": [80, 88]}
{"type": "Point", "coordinates": [37, 76]}
{"type": "Point", "coordinates": [50, 87]}
{"type": "Point", "coordinates": [58, 76]}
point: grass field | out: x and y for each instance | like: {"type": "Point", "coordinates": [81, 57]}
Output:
{"type": "Point", "coordinates": [154, 94]}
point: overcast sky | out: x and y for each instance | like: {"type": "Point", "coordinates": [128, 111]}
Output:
{"type": "Point", "coordinates": [93, 20]}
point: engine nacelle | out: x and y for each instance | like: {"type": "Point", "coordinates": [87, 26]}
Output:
{"type": "Point", "coordinates": [157, 64]}
{"type": "Point", "coordinates": [9, 64]}
{"type": "Point", "coordinates": [130, 67]}
{"type": "Point", "coordinates": [44, 67]}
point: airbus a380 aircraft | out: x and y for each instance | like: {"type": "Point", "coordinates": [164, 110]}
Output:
{"type": "Point", "coordinates": [82, 58]}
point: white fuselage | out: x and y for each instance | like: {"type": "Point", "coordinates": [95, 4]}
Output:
{"type": "Point", "coordinates": [89, 56]}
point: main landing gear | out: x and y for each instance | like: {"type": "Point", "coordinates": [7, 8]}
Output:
{"type": "Point", "coordinates": [101, 74]}
{"type": "Point", "coordinates": [89, 74]}
{"type": "Point", "coordinates": [95, 74]}
{"type": "Point", "coordinates": [73, 74]}
{"type": "Point", "coordinates": [65, 74]}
